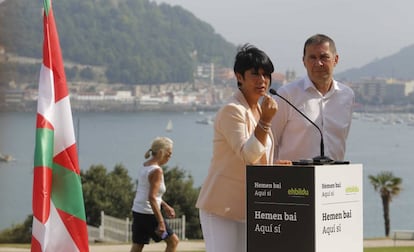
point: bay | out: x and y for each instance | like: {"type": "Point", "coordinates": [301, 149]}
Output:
{"type": "Point", "coordinates": [122, 138]}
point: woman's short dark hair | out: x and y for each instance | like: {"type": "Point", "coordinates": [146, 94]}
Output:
{"type": "Point", "coordinates": [248, 57]}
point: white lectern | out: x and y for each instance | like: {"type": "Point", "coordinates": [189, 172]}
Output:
{"type": "Point", "coordinates": [305, 208]}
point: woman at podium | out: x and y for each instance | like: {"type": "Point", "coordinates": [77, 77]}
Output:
{"type": "Point", "coordinates": [242, 136]}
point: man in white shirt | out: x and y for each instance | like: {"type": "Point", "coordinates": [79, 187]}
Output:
{"type": "Point", "coordinates": [325, 101]}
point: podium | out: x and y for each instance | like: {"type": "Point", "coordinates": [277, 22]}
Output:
{"type": "Point", "coordinates": [306, 208]}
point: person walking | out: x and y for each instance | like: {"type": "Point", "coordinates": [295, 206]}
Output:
{"type": "Point", "coordinates": [148, 221]}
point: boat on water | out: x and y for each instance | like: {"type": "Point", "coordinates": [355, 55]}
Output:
{"type": "Point", "coordinates": [6, 158]}
{"type": "Point", "coordinates": [169, 126]}
{"type": "Point", "coordinates": [205, 120]}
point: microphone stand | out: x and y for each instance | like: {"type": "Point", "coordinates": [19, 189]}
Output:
{"type": "Point", "coordinates": [318, 160]}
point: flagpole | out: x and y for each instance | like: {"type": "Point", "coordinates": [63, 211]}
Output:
{"type": "Point", "coordinates": [78, 134]}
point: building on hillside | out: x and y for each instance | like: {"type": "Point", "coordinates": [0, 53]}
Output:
{"type": "Point", "coordinates": [408, 86]}
{"type": "Point", "coordinates": [380, 91]}
{"type": "Point", "coordinates": [290, 76]}
{"type": "Point", "coordinates": [205, 72]}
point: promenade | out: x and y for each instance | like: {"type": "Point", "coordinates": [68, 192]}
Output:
{"type": "Point", "coordinates": [197, 246]}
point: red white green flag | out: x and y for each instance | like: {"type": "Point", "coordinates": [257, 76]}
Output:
{"type": "Point", "coordinates": [59, 222]}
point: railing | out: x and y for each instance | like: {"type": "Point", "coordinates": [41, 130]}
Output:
{"type": "Point", "coordinates": [119, 230]}
{"type": "Point", "coordinates": [93, 233]}
{"type": "Point", "coordinates": [402, 235]}
{"type": "Point", "coordinates": [115, 229]}
{"type": "Point", "coordinates": [178, 226]}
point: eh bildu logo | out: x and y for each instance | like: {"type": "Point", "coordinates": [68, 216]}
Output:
{"type": "Point", "coordinates": [298, 192]}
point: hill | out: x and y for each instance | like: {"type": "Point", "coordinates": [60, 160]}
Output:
{"type": "Point", "coordinates": [398, 66]}
{"type": "Point", "coordinates": [136, 41]}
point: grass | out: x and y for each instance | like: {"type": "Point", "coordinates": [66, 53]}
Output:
{"type": "Point", "coordinates": [15, 245]}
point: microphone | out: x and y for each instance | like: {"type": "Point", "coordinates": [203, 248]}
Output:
{"type": "Point", "coordinates": [319, 160]}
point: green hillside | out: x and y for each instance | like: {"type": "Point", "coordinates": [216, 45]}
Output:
{"type": "Point", "coordinates": [136, 41]}
{"type": "Point", "coordinates": [398, 66]}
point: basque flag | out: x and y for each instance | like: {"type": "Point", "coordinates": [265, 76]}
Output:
{"type": "Point", "coordinates": [59, 222]}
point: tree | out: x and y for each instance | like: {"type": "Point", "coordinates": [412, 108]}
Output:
{"type": "Point", "coordinates": [142, 42]}
{"type": "Point", "coordinates": [114, 193]}
{"type": "Point", "coordinates": [20, 233]}
{"type": "Point", "coordinates": [182, 196]}
{"type": "Point", "coordinates": [388, 186]}
{"type": "Point", "coordinates": [111, 192]}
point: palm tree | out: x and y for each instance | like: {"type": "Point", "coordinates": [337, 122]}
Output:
{"type": "Point", "coordinates": [388, 186]}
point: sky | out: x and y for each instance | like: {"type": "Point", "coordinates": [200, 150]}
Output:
{"type": "Point", "coordinates": [364, 30]}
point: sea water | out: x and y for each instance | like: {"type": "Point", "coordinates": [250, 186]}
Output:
{"type": "Point", "coordinates": [113, 138]}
